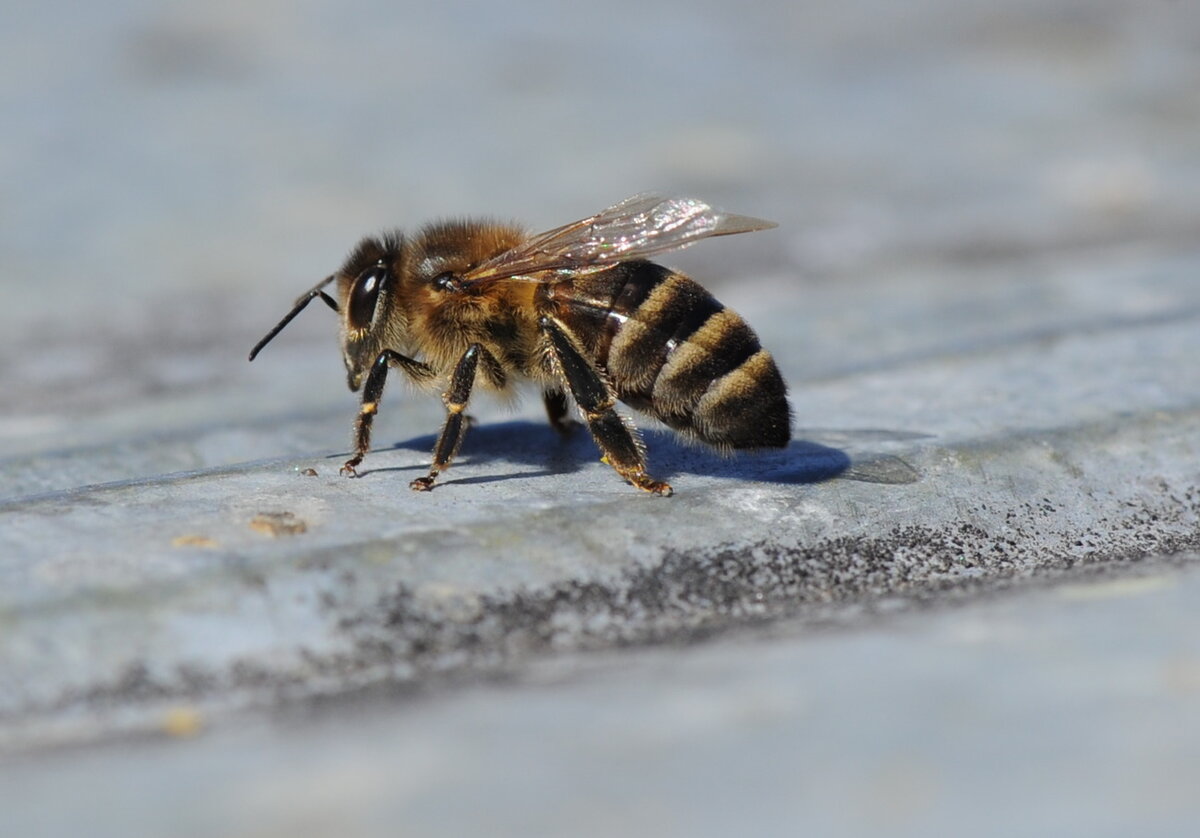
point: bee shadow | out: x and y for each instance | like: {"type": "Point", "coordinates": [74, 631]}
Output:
{"type": "Point", "coordinates": [537, 445]}
{"type": "Point", "coordinates": [523, 442]}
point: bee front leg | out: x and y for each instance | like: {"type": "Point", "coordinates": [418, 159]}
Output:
{"type": "Point", "coordinates": [456, 399]}
{"type": "Point", "coordinates": [372, 392]}
{"type": "Point", "coordinates": [618, 441]}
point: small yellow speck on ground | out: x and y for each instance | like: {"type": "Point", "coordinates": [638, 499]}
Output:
{"type": "Point", "coordinates": [276, 524]}
{"type": "Point", "coordinates": [193, 540]}
{"type": "Point", "coordinates": [182, 722]}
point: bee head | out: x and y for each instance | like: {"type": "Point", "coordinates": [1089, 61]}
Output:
{"type": "Point", "coordinates": [366, 287]}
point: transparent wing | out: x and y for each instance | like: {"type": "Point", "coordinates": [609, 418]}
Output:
{"type": "Point", "coordinates": [636, 228]}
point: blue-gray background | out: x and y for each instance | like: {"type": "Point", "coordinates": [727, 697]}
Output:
{"type": "Point", "coordinates": [158, 148]}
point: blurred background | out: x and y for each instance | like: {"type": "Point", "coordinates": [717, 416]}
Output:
{"type": "Point", "coordinates": [947, 175]}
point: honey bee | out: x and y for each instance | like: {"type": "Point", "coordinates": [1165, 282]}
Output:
{"type": "Point", "coordinates": [578, 310]}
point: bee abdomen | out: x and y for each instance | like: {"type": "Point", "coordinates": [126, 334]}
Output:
{"type": "Point", "coordinates": [686, 359]}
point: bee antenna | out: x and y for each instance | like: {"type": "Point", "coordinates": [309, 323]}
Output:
{"type": "Point", "coordinates": [302, 301]}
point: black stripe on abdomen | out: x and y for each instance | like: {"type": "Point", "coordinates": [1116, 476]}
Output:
{"type": "Point", "coordinates": [695, 365]}
{"type": "Point", "coordinates": [673, 310]}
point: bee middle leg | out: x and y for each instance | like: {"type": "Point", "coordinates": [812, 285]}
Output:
{"type": "Point", "coordinates": [456, 399]}
{"type": "Point", "coordinates": [372, 392]}
{"type": "Point", "coordinates": [620, 444]}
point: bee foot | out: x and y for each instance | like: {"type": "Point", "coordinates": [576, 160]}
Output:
{"type": "Point", "coordinates": [422, 484]}
{"type": "Point", "coordinates": [348, 470]}
{"type": "Point", "coordinates": [657, 487]}
{"type": "Point", "coordinates": [648, 484]}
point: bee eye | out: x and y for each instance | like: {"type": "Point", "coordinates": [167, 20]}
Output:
{"type": "Point", "coordinates": [365, 294]}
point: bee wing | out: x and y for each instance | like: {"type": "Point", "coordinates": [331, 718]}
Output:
{"type": "Point", "coordinates": [636, 228]}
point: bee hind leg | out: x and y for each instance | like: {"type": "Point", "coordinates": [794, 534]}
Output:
{"type": "Point", "coordinates": [457, 421]}
{"type": "Point", "coordinates": [619, 442]}
{"type": "Point", "coordinates": [556, 410]}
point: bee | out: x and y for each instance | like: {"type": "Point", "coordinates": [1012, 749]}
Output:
{"type": "Point", "coordinates": [578, 310]}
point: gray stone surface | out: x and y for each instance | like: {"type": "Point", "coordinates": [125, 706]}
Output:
{"type": "Point", "coordinates": [1002, 716]}
{"type": "Point", "coordinates": [983, 293]}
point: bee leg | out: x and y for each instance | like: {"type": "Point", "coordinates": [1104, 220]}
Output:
{"type": "Point", "coordinates": [556, 410]}
{"type": "Point", "coordinates": [618, 441]}
{"type": "Point", "coordinates": [456, 420]}
{"type": "Point", "coordinates": [372, 391]}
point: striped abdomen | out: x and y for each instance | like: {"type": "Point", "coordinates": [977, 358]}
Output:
{"type": "Point", "coordinates": [673, 351]}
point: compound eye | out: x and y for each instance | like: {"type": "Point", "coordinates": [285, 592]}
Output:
{"type": "Point", "coordinates": [365, 294]}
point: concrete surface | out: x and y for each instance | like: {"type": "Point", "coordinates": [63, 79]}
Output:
{"type": "Point", "coordinates": [1001, 715]}
{"type": "Point", "coordinates": [963, 600]}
